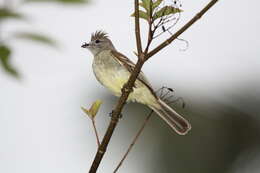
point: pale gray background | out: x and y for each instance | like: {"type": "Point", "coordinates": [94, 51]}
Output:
{"type": "Point", "coordinates": [43, 129]}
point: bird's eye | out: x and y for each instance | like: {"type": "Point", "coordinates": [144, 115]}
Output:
{"type": "Point", "coordinates": [97, 41]}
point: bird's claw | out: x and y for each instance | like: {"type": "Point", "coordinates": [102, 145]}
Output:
{"type": "Point", "coordinates": [111, 114]}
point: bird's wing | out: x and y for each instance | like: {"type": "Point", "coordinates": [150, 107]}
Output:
{"type": "Point", "coordinates": [129, 65]}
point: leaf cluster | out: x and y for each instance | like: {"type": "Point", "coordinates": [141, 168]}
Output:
{"type": "Point", "coordinates": [5, 53]}
{"type": "Point", "coordinates": [152, 10]}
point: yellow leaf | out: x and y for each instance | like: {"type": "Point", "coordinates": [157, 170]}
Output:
{"type": "Point", "coordinates": [86, 111]}
{"type": "Point", "coordinates": [92, 112]}
{"type": "Point", "coordinates": [95, 107]}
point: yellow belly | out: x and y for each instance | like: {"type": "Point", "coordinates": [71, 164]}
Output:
{"type": "Point", "coordinates": [113, 76]}
{"type": "Point", "coordinates": [115, 80]}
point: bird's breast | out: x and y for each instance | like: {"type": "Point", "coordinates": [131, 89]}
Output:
{"type": "Point", "coordinates": [110, 73]}
{"type": "Point", "coordinates": [113, 76]}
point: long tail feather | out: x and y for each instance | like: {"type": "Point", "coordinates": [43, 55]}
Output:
{"type": "Point", "coordinates": [179, 124]}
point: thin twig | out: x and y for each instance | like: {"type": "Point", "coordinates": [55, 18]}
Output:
{"type": "Point", "coordinates": [184, 28]}
{"type": "Point", "coordinates": [161, 91]}
{"type": "Point", "coordinates": [139, 132]}
{"type": "Point", "coordinates": [165, 94]}
{"type": "Point", "coordinates": [150, 32]}
{"type": "Point", "coordinates": [134, 141]}
{"type": "Point", "coordinates": [170, 27]}
{"type": "Point", "coordinates": [96, 133]}
{"type": "Point", "coordinates": [178, 99]}
{"type": "Point", "coordinates": [137, 30]}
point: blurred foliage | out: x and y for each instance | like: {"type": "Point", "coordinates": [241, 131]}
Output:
{"type": "Point", "coordinates": [5, 53]}
{"type": "Point", "coordinates": [35, 37]}
{"type": "Point", "coordinates": [157, 11]}
{"type": "Point", "coordinates": [9, 13]}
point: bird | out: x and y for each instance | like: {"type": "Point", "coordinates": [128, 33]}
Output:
{"type": "Point", "coordinates": [113, 69]}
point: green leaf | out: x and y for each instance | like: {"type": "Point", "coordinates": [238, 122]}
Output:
{"type": "Point", "coordinates": [142, 15]}
{"type": "Point", "coordinates": [156, 3]}
{"type": "Point", "coordinates": [35, 37]}
{"type": "Point", "coordinates": [95, 107]}
{"type": "Point", "coordinates": [60, 1]}
{"type": "Point", "coordinates": [8, 14]}
{"type": "Point", "coordinates": [5, 53]}
{"type": "Point", "coordinates": [167, 10]}
{"type": "Point", "coordinates": [146, 4]}
{"type": "Point", "coordinates": [142, 5]}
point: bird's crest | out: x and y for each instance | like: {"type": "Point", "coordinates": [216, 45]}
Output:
{"type": "Point", "coordinates": [99, 35]}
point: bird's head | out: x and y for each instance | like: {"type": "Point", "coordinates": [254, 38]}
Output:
{"type": "Point", "coordinates": [99, 42]}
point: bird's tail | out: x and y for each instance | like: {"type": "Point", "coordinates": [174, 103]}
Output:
{"type": "Point", "coordinates": [179, 124]}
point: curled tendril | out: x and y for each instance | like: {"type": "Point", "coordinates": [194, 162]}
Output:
{"type": "Point", "coordinates": [186, 42]}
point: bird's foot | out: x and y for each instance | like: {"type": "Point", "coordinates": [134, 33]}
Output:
{"type": "Point", "coordinates": [127, 89]}
{"type": "Point", "coordinates": [111, 114]}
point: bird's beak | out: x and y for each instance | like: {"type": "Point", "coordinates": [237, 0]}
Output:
{"type": "Point", "coordinates": [85, 45]}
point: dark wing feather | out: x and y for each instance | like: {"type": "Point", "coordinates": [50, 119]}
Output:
{"type": "Point", "coordinates": [129, 65]}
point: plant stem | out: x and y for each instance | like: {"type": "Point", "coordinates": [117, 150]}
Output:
{"type": "Point", "coordinates": [96, 133]}
{"type": "Point", "coordinates": [134, 141]}
{"type": "Point", "coordinates": [137, 29]}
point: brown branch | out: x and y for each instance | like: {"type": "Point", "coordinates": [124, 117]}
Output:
{"type": "Point", "coordinates": [126, 90]}
{"type": "Point", "coordinates": [150, 32]}
{"type": "Point", "coordinates": [137, 29]}
{"type": "Point", "coordinates": [96, 133]}
{"type": "Point", "coordinates": [134, 141]}
{"type": "Point", "coordinates": [184, 28]}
